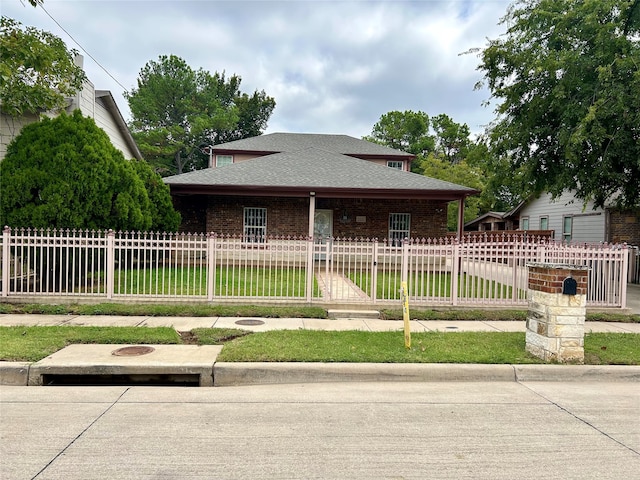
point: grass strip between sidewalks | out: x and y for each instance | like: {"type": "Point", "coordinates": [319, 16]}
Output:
{"type": "Point", "coordinates": [206, 310]}
{"type": "Point", "coordinates": [165, 310]}
{"type": "Point", "coordinates": [22, 343]}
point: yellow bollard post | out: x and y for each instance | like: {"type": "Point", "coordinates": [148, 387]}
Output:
{"type": "Point", "coordinates": [405, 314]}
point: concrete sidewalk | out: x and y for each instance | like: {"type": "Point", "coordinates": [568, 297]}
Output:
{"type": "Point", "coordinates": [256, 324]}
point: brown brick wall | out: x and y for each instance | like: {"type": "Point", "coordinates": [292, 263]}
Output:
{"type": "Point", "coordinates": [428, 218]}
{"type": "Point", "coordinates": [624, 226]}
{"type": "Point", "coordinates": [549, 280]}
{"type": "Point", "coordinates": [285, 216]}
{"type": "Point", "coordinates": [289, 216]}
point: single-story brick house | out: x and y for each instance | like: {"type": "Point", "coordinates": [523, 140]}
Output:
{"type": "Point", "coordinates": [285, 184]}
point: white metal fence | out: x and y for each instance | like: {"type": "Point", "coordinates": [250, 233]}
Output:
{"type": "Point", "coordinates": [634, 264]}
{"type": "Point", "coordinates": [478, 271]}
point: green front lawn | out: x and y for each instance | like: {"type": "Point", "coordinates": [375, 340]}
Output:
{"type": "Point", "coordinates": [431, 285]}
{"type": "Point", "coordinates": [228, 282]}
{"type": "Point", "coordinates": [34, 343]}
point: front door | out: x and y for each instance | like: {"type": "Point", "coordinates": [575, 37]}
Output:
{"type": "Point", "coordinates": [322, 230]}
{"type": "Point", "coordinates": [322, 225]}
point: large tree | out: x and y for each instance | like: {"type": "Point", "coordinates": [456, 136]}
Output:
{"type": "Point", "coordinates": [444, 150]}
{"type": "Point", "coordinates": [460, 173]}
{"type": "Point", "coordinates": [453, 140]}
{"type": "Point", "coordinates": [37, 71]}
{"type": "Point", "coordinates": [178, 111]}
{"type": "Point", "coordinates": [64, 172]}
{"type": "Point", "coordinates": [566, 80]}
{"type": "Point", "coordinates": [407, 131]}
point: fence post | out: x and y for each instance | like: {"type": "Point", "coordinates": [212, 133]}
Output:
{"type": "Point", "coordinates": [310, 265]}
{"type": "Point", "coordinates": [211, 265]}
{"type": "Point", "coordinates": [374, 271]}
{"type": "Point", "coordinates": [328, 258]}
{"type": "Point", "coordinates": [455, 272]}
{"type": "Point", "coordinates": [6, 236]}
{"type": "Point", "coordinates": [404, 272]}
{"type": "Point", "coordinates": [111, 267]}
{"type": "Point", "coordinates": [624, 275]}
{"type": "Point", "coordinates": [515, 261]}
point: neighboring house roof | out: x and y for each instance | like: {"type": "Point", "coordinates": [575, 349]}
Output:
{"type": "Point", "coordinates": [328, 174]}
{"type": "Point", "coordinates": [498, 215]}
{"type": "Point", "coordinates": [515, 211]}
{"type": "Point", "coordinates": [290, 142]}
{"type": "Point", "coordinates": [110, 104]}
{"type": "Point", "coordinates": [568, 196]}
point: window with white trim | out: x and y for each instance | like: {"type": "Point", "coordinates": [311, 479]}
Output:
{"type": "Point", "coordinates": [524, 223]}
{"type": "Point", "coordinates": [222, 160]}
{"type": "Point", "coordinates": [395, 164]}
{"type": "Point", "coordinates": [567, 228]}
{"type": "Point", "coordinates": [399, 227]}
{"type": "Point", "coordinates": [544, 223]}
{"type": "Point", "coordinates": [255, 224]}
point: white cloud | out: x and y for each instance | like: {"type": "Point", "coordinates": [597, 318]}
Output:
{"type": "Point", "coordinates": [332, 66]}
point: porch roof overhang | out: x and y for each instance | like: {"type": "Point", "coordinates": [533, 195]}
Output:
{"type": "Point", "coordinates": [318, 192]}
{"type": "Point", "coordinates": [314, 171]}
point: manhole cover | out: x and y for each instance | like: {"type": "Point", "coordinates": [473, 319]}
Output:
{"type": "Point", "coordinates": [132, 351]}
{"type": "Point", "coordinates": [249, 321]}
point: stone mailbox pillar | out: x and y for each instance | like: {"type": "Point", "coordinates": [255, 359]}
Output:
{"type": "Point", "coordinates": [557, 295]}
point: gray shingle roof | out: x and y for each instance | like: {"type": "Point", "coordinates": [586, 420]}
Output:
{"type": "Point", "coordinates": [314, 169]}
{"type": "Point", "coordinates": [290, 142]}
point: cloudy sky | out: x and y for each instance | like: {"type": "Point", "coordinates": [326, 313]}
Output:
{"type": "Point", "coordinates": [332, 66]}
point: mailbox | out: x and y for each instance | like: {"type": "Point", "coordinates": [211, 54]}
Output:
{"type": "Point", "coordinates": [569, 286]}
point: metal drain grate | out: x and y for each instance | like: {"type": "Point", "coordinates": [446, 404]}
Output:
{"type": "Point", "coordinates": [249, 321]}
{"type": "Point", "coordinates": [134, 351]}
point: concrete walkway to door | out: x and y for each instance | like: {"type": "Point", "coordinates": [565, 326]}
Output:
{"type": "Point", "coordinates": [335, 286]}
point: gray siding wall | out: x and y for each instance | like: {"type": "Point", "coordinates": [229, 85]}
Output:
{"type": "Point", "coordinates": [588, 224]}
{"type": "Point", "coordinates": [10, 128]}
{"type": "Point", "coordinates": [94, 108]}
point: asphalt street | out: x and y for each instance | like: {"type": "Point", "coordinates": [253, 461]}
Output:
{"type": "Point", "coordinates": [422, 430]}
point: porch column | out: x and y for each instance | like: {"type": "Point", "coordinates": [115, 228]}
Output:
{"type": "Point", "coordinates": [312, 212]}
{"type": "Point", "coordinates": [460, 218]}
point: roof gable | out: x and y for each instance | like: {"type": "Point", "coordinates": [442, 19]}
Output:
{"type": "Point", "coordinates": [290, 142]}
{"type": "Point", "coordinates": [111, 106]}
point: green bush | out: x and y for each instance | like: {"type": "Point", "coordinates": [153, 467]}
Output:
{"type": "Point", "coordinates": [65, 173]}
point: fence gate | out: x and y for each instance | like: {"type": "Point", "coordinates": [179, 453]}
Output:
{"type": "Point", "coordinates": [345, 271]}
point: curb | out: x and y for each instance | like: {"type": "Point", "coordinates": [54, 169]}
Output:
{"type": "Point", "coordinates": [234, 374]}
{"type": "Point", "coordinates": [577, 373]}
{"type": "Point", "coordinates": [237, 374]}
{"type": "Point", "coordinates": [14, 373]}
{"type": "Point", "coordinates": [246, 374]}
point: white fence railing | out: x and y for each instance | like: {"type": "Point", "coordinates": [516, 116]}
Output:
{"type": "Point", "coordinates": [478, 271]}
{"type": "Point", "coordinates": [634, 264]}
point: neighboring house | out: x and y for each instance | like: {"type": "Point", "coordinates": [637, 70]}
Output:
{"type": "Point", "coordinates": [285, 184]}
{"type": "Point", "coordinates": [572, 220]}
{"type": "Point", "coordinates": [97, 104]}
{"type": "Point", "coordinates": [489, 222]}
